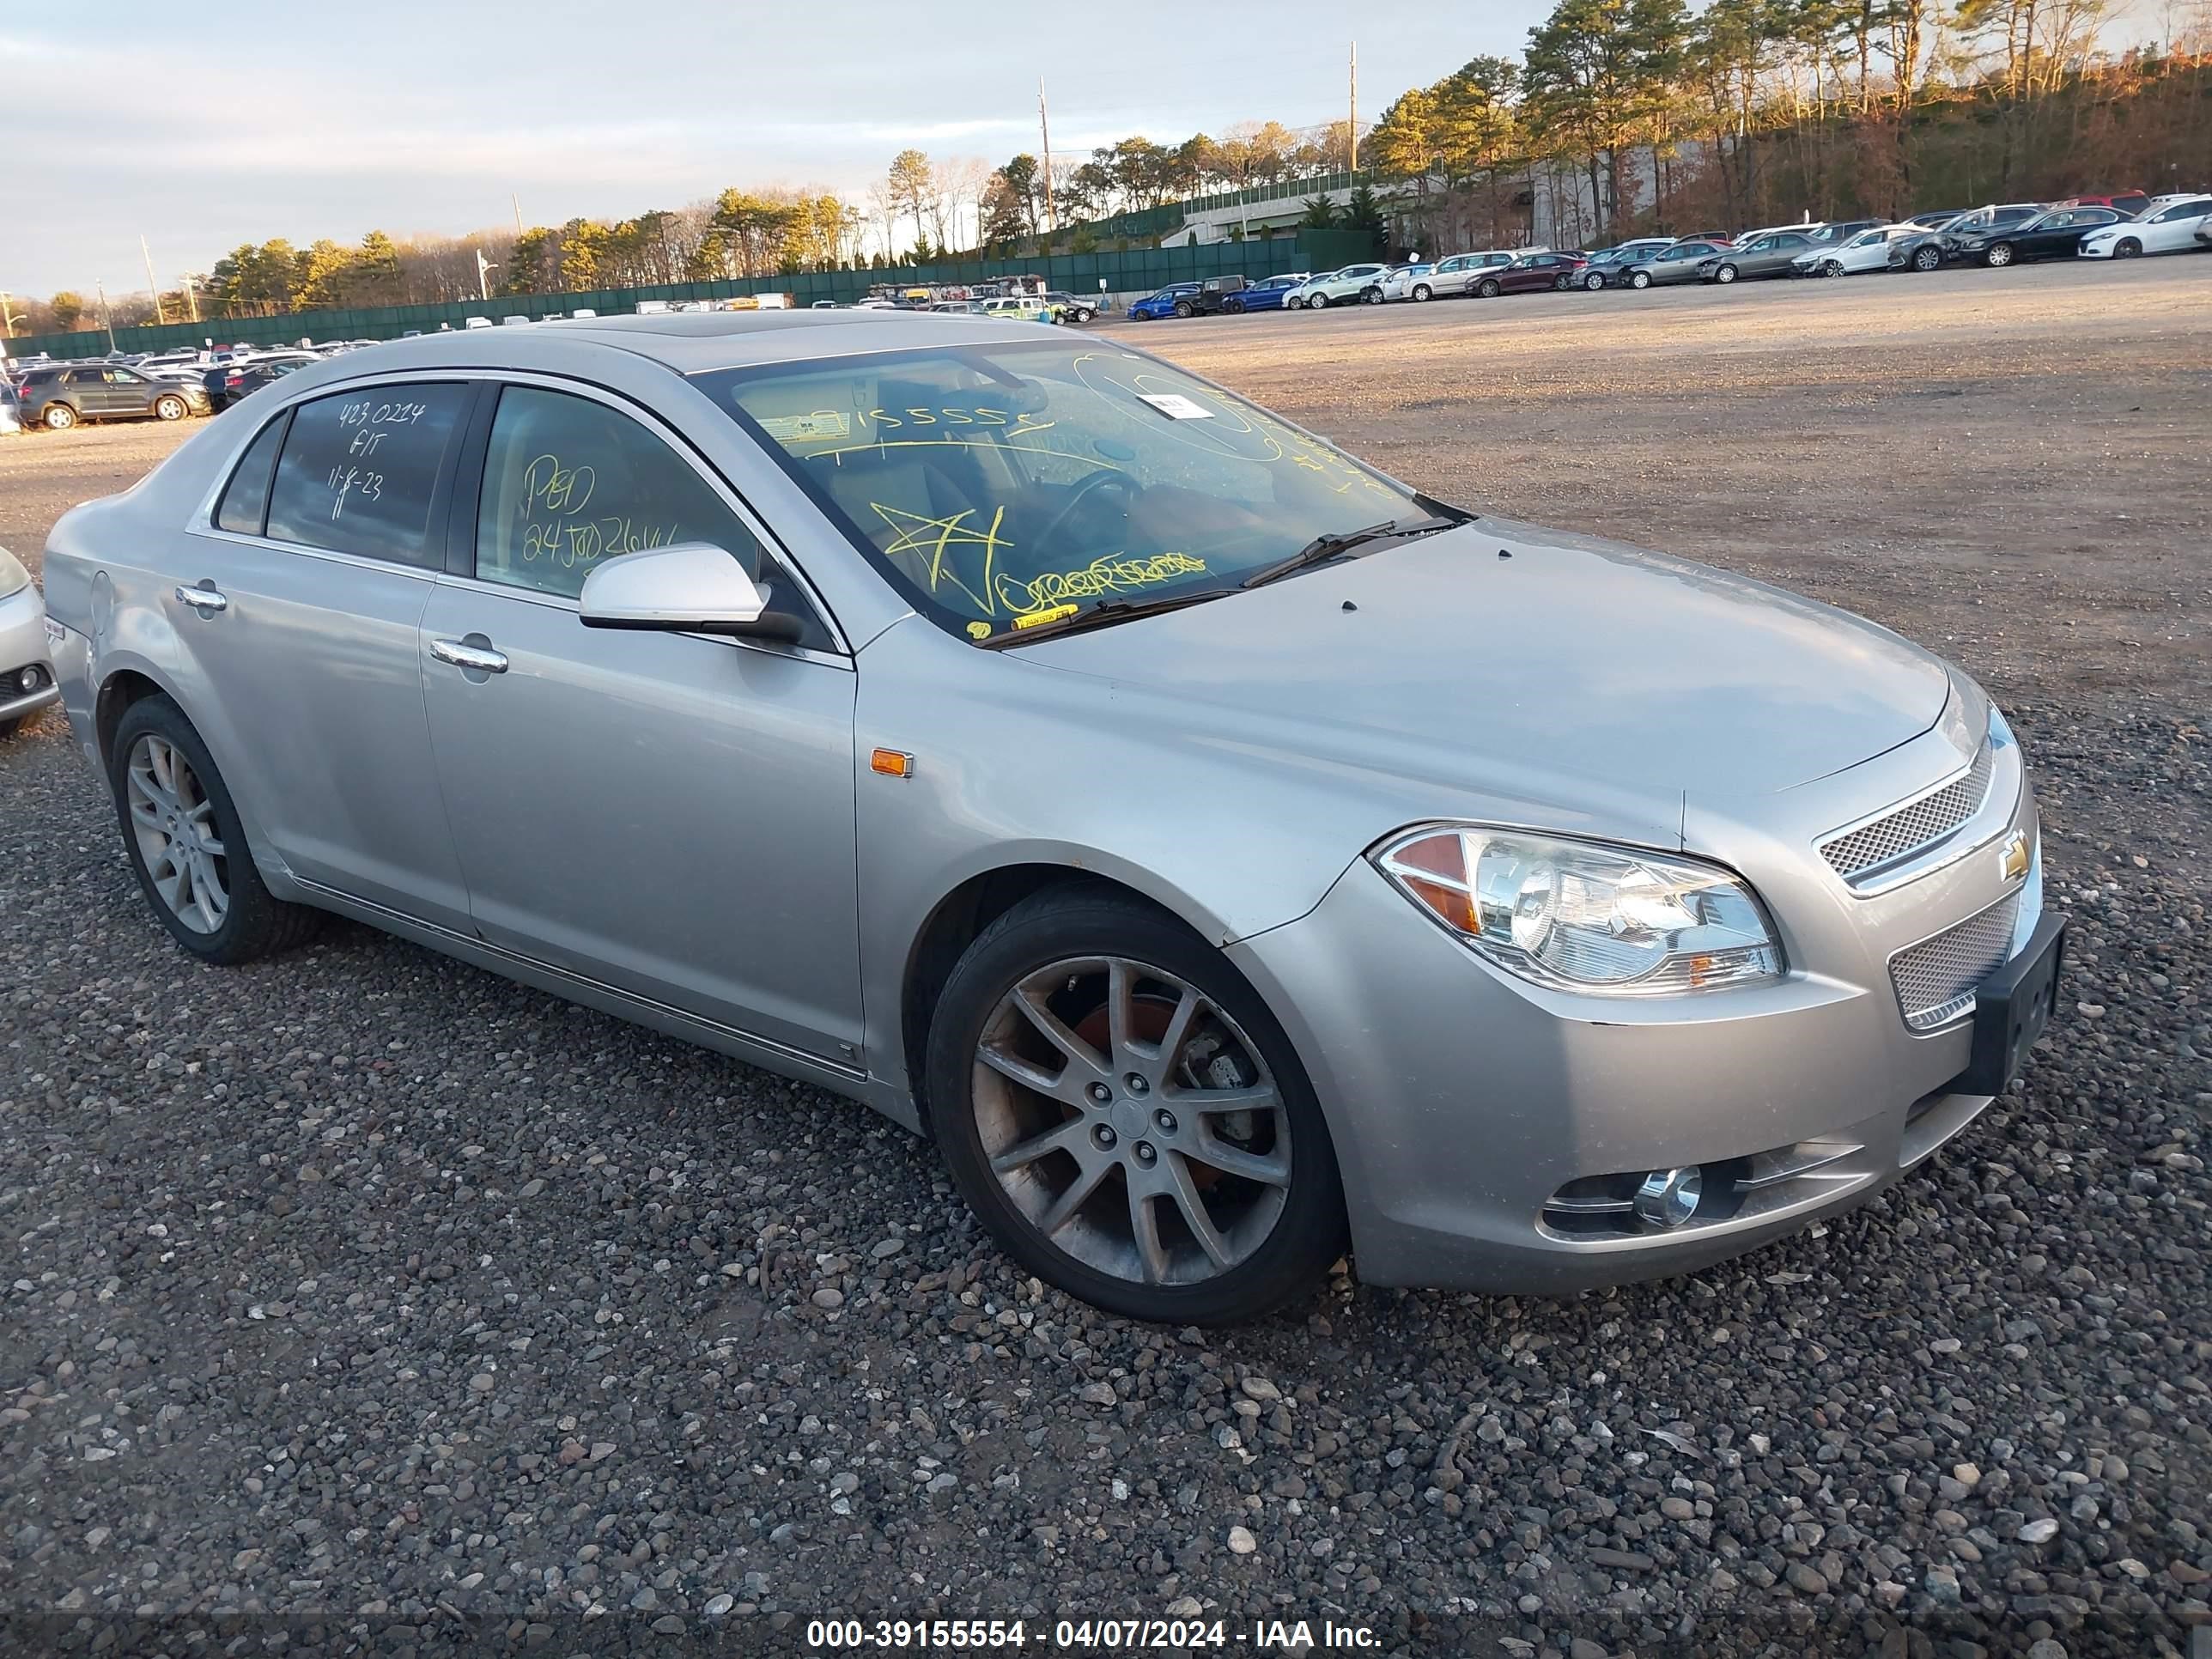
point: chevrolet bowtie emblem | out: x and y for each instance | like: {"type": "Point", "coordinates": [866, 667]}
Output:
{"type": "Point", "coordinates": [2016, 857]}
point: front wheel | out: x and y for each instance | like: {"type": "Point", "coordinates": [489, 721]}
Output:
{"type": "Point", "coordinates": [186, 845]}
{"type": "Point", "coordinates": [2129, 249]}
{"type": "Point", "coordinates": [1927, 258]}
{"type": "Point", "coordinates": [1639, 279]}
{"type": "Point", "coordinates": [1725, 274]}
{"type": "Point", "coordinates": [59, 417]}
{"type": "Point", "coordinates": [1998, 256]}
{"type": "Point", "coordinates": [1422, 293]}
{"type": "Point", "coordinates": [169, 409]}
{"type": "Point", "coordinates": [1370, 296]}
{"type": "Point", "coordinates": [1488, 288]}
{"type": "Point", "coordinates": [1831, 267]}
{"type": "Point", "coordinates": [1594, 282]}
{"type": "Point", "coordinates": [1234, 307]}
{"type": "Point", "coordinates": [1126, 1116]}
{"type": "Point", "coordinates": [1317, 302]}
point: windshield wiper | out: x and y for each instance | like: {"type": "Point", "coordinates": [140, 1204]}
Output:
{"type": "Point", "coordinates": [1099, 615]}
{"type": "Point", "coordinates": [1322, 549]}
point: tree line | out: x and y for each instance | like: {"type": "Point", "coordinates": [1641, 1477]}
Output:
{"type": "Point", "coordinates": [1619, 116]}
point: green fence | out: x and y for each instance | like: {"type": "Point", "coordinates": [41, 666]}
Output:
{"type": "Point", "coordinates": [1136, 270]}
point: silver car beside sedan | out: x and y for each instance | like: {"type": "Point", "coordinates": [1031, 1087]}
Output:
{"type": "Point", "coordinates": [26, 674]}
{"type": "Point", "coordinates": [1222, 851]}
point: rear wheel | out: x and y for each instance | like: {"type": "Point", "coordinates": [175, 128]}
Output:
{"type": "Point", "coordinates": [1370, 296]}
{"type": "Point", "coordinates": [1126, 1116]}
{"type": "Point", "coordinates": [59, 417]}
{"type": "Point", "coordinates": [1083, 314]}
{"type": "Point", "coordinates": [169, 409]}
{"type": "Point", "coordinates": [186, 845]}
{"type": "Point", "coordinates": [1422, 292]}
{"type": "Point", "coordinates": [1489, 288]}
{"type": "Point", "coordinates": [2127, 249]}
{"type": "Point", "coordinates": [1639, 279]}
{"type": "Point", "coordinates": [1317, 302]}
{"type": "Point", "coordinates": [1184, 309]}
{"type": "Point", "coordinates": [1927, 258]}
{"type": "Point", "coordinates": [2000, 254]}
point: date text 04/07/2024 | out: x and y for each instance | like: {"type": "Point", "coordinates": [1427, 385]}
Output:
{"type": "Point", "coordinates": [1087, 1634]}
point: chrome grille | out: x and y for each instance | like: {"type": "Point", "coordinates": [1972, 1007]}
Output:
{"type": "Point", "coordinates": [1913, 826]}
{"type": "Point", "coordinates": [1935, 978]}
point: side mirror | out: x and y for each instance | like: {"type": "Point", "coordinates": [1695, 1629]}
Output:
{"type": "Point", "coordinates": [687, 587]}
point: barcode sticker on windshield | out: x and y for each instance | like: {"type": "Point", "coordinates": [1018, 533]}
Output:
{"type": "Point", "coordinates": [1175, 406]}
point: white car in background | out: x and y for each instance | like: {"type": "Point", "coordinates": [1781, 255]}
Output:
{"type": "Point", "coordinates": [1459, 274]}
{"type": "Point", "coordinates": [1338, 287]}
{"type": "Point", "coordinates": [1401, 282]}
{"type": "Point", "coordinates": [1867, 250]}
{"type": "Point", "coordinates": [2168, 225]}
{"type": "Point", "coordinates": [26, 651]}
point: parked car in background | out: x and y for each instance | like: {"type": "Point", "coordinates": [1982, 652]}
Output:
{"type": "Point", "coordinates": [2055, 234]}
{"type": "Point", "coordinates": [2128, 204]}
{"type": "Point", "coordinates": [1982, 221]}
{"type": "Point", "coordinates": [27, 669]}
{"type": "Point", "coordinates": [1770, 255]}
{"type": "Point", "coordinates": [1173, 300]}
{"type": "Point", "coordinates": [1920, 247]}
{"type": "Point", "coordinates": [225, 386]}
{"type": "Point", "coordinates": [1337, 288]}
{"type": "Point", "coordinates": [1837, 231]}
{"type": "Point", "coordinates": [1529, 273]}
{"type": "Point", "coordinates": [1459, 274]}
{"type": "Point", "coordinates": [1268, 295]}
{"type": "Point", "coordinates": [2168, 225]}
{"type": "Point", "coordinates": [1021, 309]}
{"type": "Point", "coordinates": [60, 397]}
{"type": "Point", "coordinates": [1935, 220]}
{"type": "Point", "coordinates": [1218, 294]}
{"type": "Point", "coordinates": [1074, 307]}
{"type": "Point", "coordinates": [1402, 280]}
{"type": "Point", "coordinates": [1608, 266]}
{"type": "Point", "coordinates": [1867, 250]}
{"type": "Point", "coordinates": [2205, 234]}
{"type": "Point", "coordinates": [11, 407]}
{"type": "Point", "coordinates": [1678, 262]}
{"type": "Point", "coordinates": [1729, 914]}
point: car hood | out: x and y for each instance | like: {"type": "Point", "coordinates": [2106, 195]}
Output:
{"type": "Point", "coordinates": [1499, 656]}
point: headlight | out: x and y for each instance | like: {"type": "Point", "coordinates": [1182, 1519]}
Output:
{"type": "Point", "coordinates": [1584, 916]}
{"type": "Point", "coordinates": [13, 579]}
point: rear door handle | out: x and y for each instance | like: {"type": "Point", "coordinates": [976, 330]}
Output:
{"type": "Point", "coordinates": [480, 658]}
{"type": "Point", "coordinates": [206, 597]}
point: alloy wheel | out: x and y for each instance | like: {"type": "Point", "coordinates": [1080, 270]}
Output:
{"type": "Point", "coordinates": [173, 820]}
{"type": "Point", "coordinates": [1131, 1121]}
{"type": "Point", "coordinates": [2127, 249]}
{"type": "Point", "coordinates": [1926, 258]}
{"type": "Point", "coordinates": [2000, 255]}
{"type": "Point", "coordinates": [169, 409]}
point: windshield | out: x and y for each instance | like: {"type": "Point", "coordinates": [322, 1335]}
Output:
{"type": "Point", "coordinates": [998, 486]}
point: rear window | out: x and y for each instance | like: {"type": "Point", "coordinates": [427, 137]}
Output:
{"type": "Point", "coordinates": [362, 471]}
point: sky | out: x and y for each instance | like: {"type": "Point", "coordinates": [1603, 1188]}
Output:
{"type": "Point", "coordinates": [202, 128]}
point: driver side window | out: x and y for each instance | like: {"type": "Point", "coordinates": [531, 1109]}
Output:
{"type": "Point", "coordinates": [569, 482]}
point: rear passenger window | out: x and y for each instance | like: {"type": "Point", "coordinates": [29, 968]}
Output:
{"type": "Point", "coordinates": [361, 470]}
{"type": "Point", "coordinates": [569, 482]}
{"type": "Point", "coordinates": [246, 497]}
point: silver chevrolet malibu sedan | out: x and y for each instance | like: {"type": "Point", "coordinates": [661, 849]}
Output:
{"type": "Point", "coordinates": [1224, 852]}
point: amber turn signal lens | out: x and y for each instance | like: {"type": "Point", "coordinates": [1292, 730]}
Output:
{"type": "Point", "coordinates": [892, 763]}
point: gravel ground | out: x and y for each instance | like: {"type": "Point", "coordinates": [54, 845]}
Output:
{"type": "Point", "coordinates": [366, 1290]}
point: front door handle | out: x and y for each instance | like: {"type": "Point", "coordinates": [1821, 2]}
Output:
{"type": "Point", "coordinates": [206, 597]}
{"type": "Point", "coordinates": [479, 658]}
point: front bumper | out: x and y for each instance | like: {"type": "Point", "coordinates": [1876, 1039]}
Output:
{"type": "Point", "coordinates": [23, 645]}
{"type": "Point", "coordinates": [1476, 1117]}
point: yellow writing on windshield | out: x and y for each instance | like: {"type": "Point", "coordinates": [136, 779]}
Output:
{"type": "Point", "coordinates": [1100, 576]}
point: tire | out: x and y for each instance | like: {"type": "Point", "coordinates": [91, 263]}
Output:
{"type": "Point", "coordinates": [170, 407]}
{"type": "Point", "coordinates": [1277, 1219]}
{"type": "Point", "coordinates": [1488, 288]}
{"type": "Point", "coordinates": [1726, 274]}
{"type": "Point", "coordinates": [1184, 309]}
{"type": "Point", "coordinates": [251, 923]}
{"type": "Point", "coordinates": [1998, 256]}
{"type": "Point", "coordinates": [1370, 296]}
{"type": "Point", "coordinates": [1639, 279]}
{"type": "Point", "coordinates": [1927, 258]}
{"type": "Point", "coordinates": [1317, 302]}
{"type": "Point", "coordinates": [1832, 268]}
{"type": "Point", "coordinates": [1234, 307]}
{"type": "Point", "coordinates": [59, 417]}
{"type": "Point", "coordinates": [1594, 282]}
{"type": "Point", "coordinates": [1083, 314]}
{"type": "Point", "coordinates": [2129, 249]}
{"type": "Point", "coordinates": [1422, 294]}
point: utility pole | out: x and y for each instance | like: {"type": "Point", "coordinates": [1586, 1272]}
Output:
{"type": "Point", "coordinates": [485, 268]}
{"type": "Point", "coordinates": [515, 202]}
{"type": "Point", "coordinates": [1044, 129]}
{"type": "Point", "coordinates": [153, 285]}
{"type": "Point", "coordinates": [191, 299]}
{"type": "Point", "coordinates": [1351, 131]}
{"type": "Point", "coordinates": [7, 316]}
{"type": "Point", "coordinates": [107, 316]}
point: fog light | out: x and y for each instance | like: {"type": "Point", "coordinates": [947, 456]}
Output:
{"type": "Point", "coordinates": [1669, 1198]}
{"type": "Point", "coordinates": [30, 680]}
